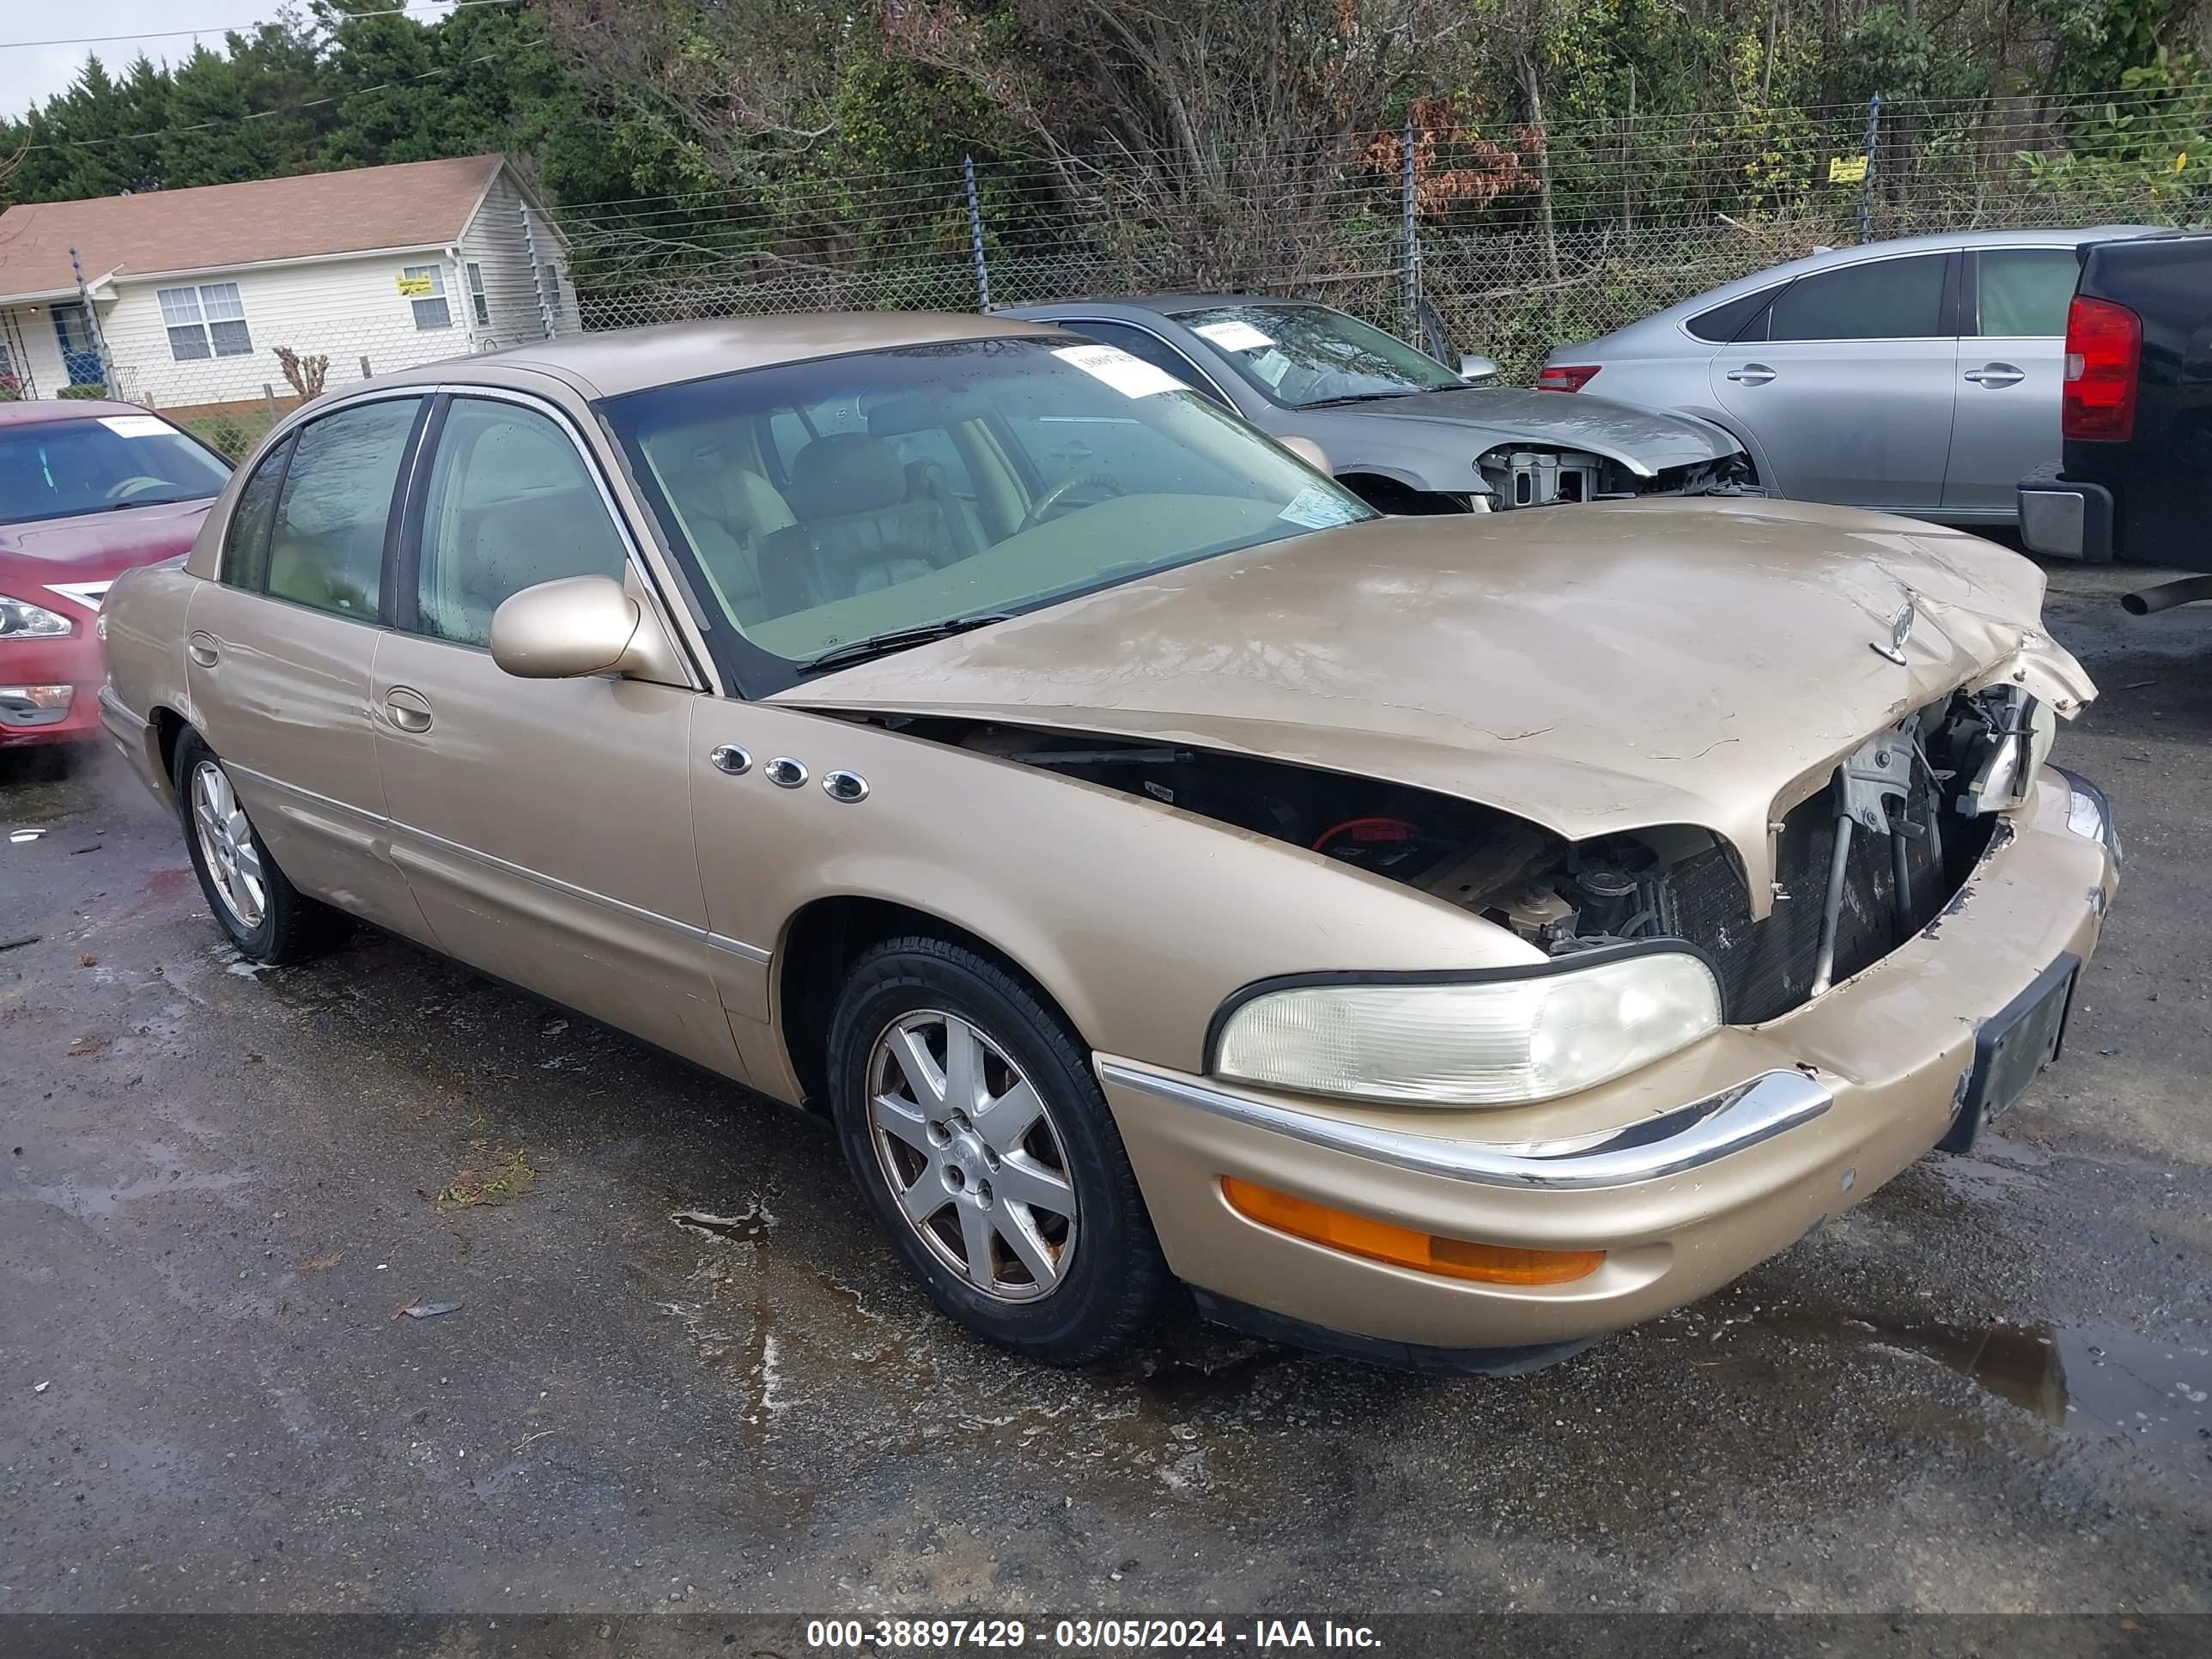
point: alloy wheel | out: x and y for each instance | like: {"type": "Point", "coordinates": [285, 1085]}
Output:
{"type": "Point", "coordinates": [973, 1157]}
{"type": "Point", "coordinates": [227, 843]}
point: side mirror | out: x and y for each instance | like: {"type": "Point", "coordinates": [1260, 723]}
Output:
{"type": "Point", "coordinates": [1474, 365]}
{"type": "Point", "coordinates": [578, 626]}
{"type": "Point", "coordinates": [1308, 452]}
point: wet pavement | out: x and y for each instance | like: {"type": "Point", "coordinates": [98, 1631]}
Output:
{"type": "Point", "coordinates": [683, 1375]}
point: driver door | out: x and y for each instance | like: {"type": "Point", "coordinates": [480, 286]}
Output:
{"type": "Point", "coordinates": [545, 825]}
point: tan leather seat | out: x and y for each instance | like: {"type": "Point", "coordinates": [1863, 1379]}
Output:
{"type": "Point", "coordinates": [850, 492]}
{"type": "Point", "coordinates": [729, 511]}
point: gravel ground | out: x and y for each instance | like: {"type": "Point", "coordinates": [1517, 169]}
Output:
{"type": "Point", "coordinates": [1983, 1390]}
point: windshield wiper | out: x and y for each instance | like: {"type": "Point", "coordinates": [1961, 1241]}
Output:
{"type": "Point", "coordinates": [1369, 396]}
{"type": "Point", "coordinates": [158, 501]}
{"type": "Point", "coordinates": [882, 645]}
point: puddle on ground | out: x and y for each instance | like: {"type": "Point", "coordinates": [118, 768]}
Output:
{"type": "Point", "coordinates": [1222, 1372]}
{"type": "Point", "coordinates": [2087, 1381]}
{"type": "Point", "coordinates": [754, 1224]}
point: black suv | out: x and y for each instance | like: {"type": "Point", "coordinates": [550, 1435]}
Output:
{"type": "Point", "coordinates": [2136, 479]}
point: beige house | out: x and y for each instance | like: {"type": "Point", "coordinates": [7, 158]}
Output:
{"type": "Point", "coordinates": [178, 298]}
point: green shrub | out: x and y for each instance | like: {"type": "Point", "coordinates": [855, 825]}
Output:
{"type": "Point", "coordinates": [231, 435]}
{"type": "Point", "coordinates": [81, 391]}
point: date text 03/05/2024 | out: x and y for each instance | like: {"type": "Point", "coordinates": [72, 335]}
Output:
{"type": "Point", "coordinates": [1086, 1635]}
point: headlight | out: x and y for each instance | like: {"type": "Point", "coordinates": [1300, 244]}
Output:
{"type": "Point", "coordinates": [1483, 1043]}
{"type": "Point", "coordinates": [22, 620]}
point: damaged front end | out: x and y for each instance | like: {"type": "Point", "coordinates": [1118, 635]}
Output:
{"type": "Point", "coordinates": [1872, 854]}
{"type": "Point", "coordinates": [1522, 476]}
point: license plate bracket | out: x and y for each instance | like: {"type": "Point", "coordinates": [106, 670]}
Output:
{"type": "Point", "coordinates": [2012, 1047]}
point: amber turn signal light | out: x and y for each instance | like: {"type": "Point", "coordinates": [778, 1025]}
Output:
{"type": "Point", "coordinates": [1402, 1247]}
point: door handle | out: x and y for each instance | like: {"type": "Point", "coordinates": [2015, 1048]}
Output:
{"type": "Point", "coordinates": [408, 709]}
{"type": "Point", "coordinates": [1996, 375]}
{"type": "Point", "coordinates": [201, 648]}
{"type": "Point", "coordinates": [1751, 374]}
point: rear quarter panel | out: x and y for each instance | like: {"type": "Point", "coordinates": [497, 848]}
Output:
{"type": "Point", "coordinates": [145, 617]}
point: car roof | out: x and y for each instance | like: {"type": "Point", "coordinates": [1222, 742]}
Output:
{"type": "Point", "coordinates": [1859, 252]}
{"type": "Point", "coordinates": [1161, 305]}
{"type": "Point", "coordinates": [609, 362]}
{"type": "Point", "coordinates": [39, 411]}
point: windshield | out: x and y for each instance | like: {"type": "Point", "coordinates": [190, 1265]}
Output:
{"type": "Point", "coordinates": [1300, 355]}
{"type": "Point", "coordinates": [822, 505]}
{"type": "Point", "coordinates": [58, 468]}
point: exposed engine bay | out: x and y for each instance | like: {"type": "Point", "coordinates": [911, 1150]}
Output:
{"type": "Point", "coordinates": [1869, 859]}
{"type": "Point", "coordinates": [1519, 476]}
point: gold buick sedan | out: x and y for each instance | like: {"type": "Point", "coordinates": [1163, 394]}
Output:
{"type": "Point", "coordinates": [1441, 940]}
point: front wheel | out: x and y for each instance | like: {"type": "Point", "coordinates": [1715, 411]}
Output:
{"type": "Point", "coordinates": [969, 1116]}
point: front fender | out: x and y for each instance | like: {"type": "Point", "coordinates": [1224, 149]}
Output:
{"type": "Point", "coordinates": [1137, 918]}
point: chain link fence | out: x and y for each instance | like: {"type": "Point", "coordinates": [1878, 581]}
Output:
{"type": "Point", "coordinates": [1509, 240]}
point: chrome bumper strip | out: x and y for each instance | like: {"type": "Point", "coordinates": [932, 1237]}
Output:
{"type": "Point", "coordinates": [1688, 1138]}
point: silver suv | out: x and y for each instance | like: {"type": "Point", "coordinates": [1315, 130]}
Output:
{"type": "Point", "coordinates": [1918, 376]}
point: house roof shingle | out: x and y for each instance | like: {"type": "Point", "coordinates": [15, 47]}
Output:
{"type": "Point", "coordinates": [215, 226]}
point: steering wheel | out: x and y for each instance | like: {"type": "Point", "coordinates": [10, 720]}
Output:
{"type": "Point", "coordinates": [1053, 497]}
{"type": "Point", "coordinates": [132, 486]}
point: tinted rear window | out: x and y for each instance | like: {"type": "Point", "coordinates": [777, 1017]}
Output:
{"type": "Point", "coordinates": [2025, 292]}
{"type": "Point", "coordinates": [1724, 323]}
{"type": "Point", "coordinates": [1882, 300]}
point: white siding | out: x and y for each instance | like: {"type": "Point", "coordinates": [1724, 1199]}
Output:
{"type": "Point", "coordinates": [346, 309]}
{"type": "Point", "coordinates": [496, 240]}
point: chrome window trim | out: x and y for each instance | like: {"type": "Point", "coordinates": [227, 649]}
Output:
{"type": "Point", "coordinates": [1672, 1143]}
{"type": "Point", "coordinates": [704, 676]}
{"type": "Point", "coordinates": [633, 553]}
{"type": "Point", "coordinates": [403, 482]}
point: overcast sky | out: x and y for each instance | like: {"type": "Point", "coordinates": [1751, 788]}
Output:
{"type": "Point", "coordinates": [31, 74]}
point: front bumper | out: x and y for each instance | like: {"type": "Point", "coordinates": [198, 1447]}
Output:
{"type": "Point", "coordinates": [73, 662]}
{"type": "Point", "coordinates": [1687, 1173]}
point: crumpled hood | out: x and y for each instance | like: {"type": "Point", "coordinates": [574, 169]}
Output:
{"type": "Point", "coordinates": [1593, 669]}
{"type": "Point", "coordinates": [1645, 440]}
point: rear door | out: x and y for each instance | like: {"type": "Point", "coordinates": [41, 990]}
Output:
{"type": "Point", "coordinates": [1849, 383]}
{"type": "Point", "coordinates": [2011, 361]}
{"type": "Point", "coordinates": [545, 825]}
{"type": "Point", "coordinates": [278, 649]}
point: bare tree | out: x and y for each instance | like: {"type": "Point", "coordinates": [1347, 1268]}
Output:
{"type": "Point", "coordinates": [304, 374]}
{"type": "Point", "coordinates": [1227, 122]}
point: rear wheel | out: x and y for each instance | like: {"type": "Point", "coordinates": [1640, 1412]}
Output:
{"type": "Point", "coordinates": [969, 1116]}
{"type": "Point", "coordinates": [267, 918]}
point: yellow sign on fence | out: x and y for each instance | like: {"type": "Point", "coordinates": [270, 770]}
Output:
{"type": "Point", "coordinates": [1847, 169]}
{"type": "Point", "coordinates": [418, 287]}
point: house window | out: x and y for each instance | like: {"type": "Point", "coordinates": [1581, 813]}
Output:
{"type": "Point", "coordinates": [549, 277]}
{"type": "Point", "coordinates": [478, 303]}
{"type": "Point", "coordinates": [207, 321]}
{"type": "Point", "coordinates": [433, 311]}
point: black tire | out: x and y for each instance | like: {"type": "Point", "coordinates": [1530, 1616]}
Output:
{"type": "Point", "coordinates": [1114, 1286]}
{"type": "Point", "coordinates": [293, 927]}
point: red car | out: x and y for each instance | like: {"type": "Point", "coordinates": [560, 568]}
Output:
{"type": "Point", "coordinates": [87, 489]}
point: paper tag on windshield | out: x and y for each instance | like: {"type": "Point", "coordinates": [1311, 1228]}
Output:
{"type": "Point", "coordinates": [136, 425]}
{"type": "Point", "coordinates": [1131, 377]}
{"type": "Point", "coordinates": [1233, 336]}
{"type": "Point", "coordinates": [1317, 509]}
{"type": "Point", "coordinates": [1271, 365]}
